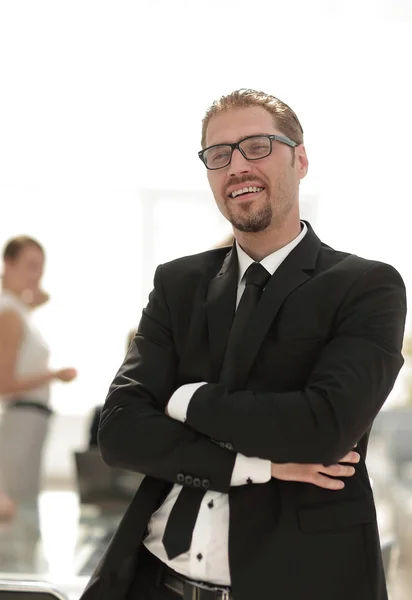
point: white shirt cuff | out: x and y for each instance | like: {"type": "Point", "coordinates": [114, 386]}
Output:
{"type": "Point", "coordinates": [180, 399]}
{"type": "Point", "coordinates": [250, 470]}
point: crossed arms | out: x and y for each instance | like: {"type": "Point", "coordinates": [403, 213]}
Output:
{"type": "Point", "coordinates": [319, 424]}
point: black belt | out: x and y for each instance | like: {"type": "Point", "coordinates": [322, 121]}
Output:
{"type": "Point", "coordinates": [28, 404]}
{"type": "Point", "coordinates": [185, 588]}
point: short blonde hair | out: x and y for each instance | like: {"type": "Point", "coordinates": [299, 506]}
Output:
{"type": "Point", "coordinates": [284, 117]}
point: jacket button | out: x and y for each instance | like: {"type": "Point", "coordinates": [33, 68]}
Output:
{"type": "Point", "coordinates": [180, 478]}
{"type": "Point", "coordinates": [229, 446]}
{"type": "Point", "coordinates": [196, 482]}
{"type": "Point", "coordinates": [205, 484]}
{"type": "Point", "coordinates": [188, 480]}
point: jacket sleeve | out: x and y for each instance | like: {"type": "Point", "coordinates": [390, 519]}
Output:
{"type": "Point", "coordinates": [351, 380]}
{"type": "Point", "coordinates": [135, 433]}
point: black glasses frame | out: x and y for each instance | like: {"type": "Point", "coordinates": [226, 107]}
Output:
{"type": "Point", "coordinates": [283, 139]}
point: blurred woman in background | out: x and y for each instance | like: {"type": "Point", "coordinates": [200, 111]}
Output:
{"type": "Point", "coordinates": [25, 376]}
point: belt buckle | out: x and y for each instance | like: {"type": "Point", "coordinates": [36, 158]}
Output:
{"type": "Point", "coordinates": [199, 587]}
{"type": "Point", "coordinates": [223, 594]}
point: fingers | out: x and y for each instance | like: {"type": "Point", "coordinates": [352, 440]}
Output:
{"type": "Point", "coordinates": [319, 475]}
{"type": "Point", "coordinates": [338, 471]}
{"type": "Point", "coordinates": [327, 483]}
{"type": "Point", "coordinates": [351, 457]}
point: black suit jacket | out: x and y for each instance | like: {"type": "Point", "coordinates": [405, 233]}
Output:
{"type": "Point", "coordinates": [319, 358]}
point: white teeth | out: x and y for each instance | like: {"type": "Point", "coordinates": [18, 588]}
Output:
{"type": "Point", "coordinates": [245, 191]}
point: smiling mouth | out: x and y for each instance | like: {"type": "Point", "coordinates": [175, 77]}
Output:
{"type": "Point", "coordinates": [246, 191]}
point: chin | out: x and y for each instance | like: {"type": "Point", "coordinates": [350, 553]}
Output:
{"type": "Point", "coordinates": [252, 223]}
{"type": "Point", "coordinates": [250, 226]}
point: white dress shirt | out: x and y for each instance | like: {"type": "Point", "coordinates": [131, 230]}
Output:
{"type": "Point", "coordinates": [208, 557]}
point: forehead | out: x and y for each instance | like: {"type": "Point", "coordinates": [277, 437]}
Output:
{"type": "Point", "coordinates": [31, 254]}
{"type": "Point", "coordinates": [233, 125]}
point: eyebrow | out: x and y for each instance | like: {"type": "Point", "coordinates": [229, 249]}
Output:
{"type": "Point", "coordinates": [244, 137]}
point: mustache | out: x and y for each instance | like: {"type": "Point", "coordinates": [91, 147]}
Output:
{"type": "Point", "coordinates": [243, 179]}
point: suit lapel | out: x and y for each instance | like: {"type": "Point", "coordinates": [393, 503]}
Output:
{"type": "Point", "coordinates": [293, 272]}
{"type": "Point", "coordinates": [220, 308]}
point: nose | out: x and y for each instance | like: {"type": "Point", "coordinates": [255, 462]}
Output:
{"type": "Point", "coordinates": [239, 164]}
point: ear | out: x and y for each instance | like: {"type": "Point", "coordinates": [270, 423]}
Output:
{"type": "Point", "coordinates": [301, 161]}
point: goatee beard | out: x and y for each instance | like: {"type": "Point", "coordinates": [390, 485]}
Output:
{"type": "Point", "coordinates": [254, 223]}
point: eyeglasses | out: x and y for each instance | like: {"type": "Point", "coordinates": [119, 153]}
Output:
{"type": "Point", "coordinates": [253, 147]}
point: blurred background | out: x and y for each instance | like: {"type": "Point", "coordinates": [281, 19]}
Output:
{"type": "Point", "coordinates": [100, 116]}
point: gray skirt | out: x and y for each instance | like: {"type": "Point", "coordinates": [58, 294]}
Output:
{"type": "Point", "coordinates": [23, 431]}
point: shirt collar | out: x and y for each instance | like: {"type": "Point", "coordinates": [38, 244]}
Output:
{"type": "Point", "coordinates": [272, 261]}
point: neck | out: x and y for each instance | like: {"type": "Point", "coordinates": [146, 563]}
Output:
{"type": "Point", "coordinates": [7, 287]}
{"type": "Point", "coordinates": [261, 244]}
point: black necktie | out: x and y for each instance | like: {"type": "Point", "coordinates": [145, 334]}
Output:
{"type": "Point", "coordinates": [178, 533]}
{"type": "Point", "coordinates": [256, 278]}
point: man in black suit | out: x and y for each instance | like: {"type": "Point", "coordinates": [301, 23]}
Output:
{"type": "Point", "coordinates": [254, 373]}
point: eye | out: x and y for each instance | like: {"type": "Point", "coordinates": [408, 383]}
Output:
{"type": "Point", "coordinates": [220, 155]}
{"type": "Point", "coordinates": [258, 148]}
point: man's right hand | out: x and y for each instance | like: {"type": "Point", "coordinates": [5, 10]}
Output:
{"type": "Point", "coordinates": [317, 474]}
